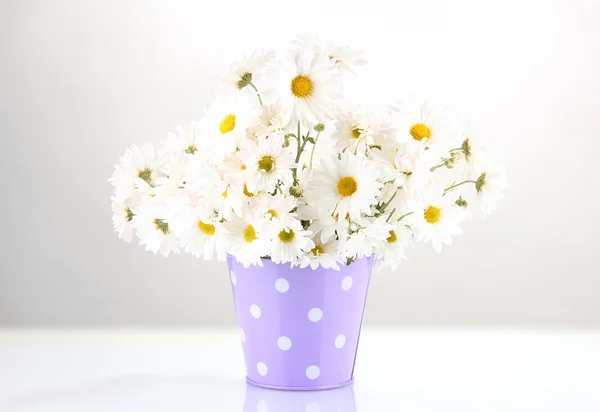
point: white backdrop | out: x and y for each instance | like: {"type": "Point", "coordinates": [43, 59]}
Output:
{"type": "Point", "coordinates": [81, 80]}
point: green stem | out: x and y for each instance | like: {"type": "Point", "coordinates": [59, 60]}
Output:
{"type": "Point", "coordinates": [456, 150]}
{"type": "Point", "coordinates": [312, 153]}
{"type": "Point", "coordinates": [458, 184]}
{"type": "Point", "coordinates": [443, 163]}
{"type": "Point", "coordinates": [387, 203]}
{"type": "Point", "coordinates": [390, 216]}
{"type": "Point", "coordinates": [403, 216]}
{"type": "Point", "coordinates": [298, 153]}
{"type": "Point", "coordinates": [257, 92]}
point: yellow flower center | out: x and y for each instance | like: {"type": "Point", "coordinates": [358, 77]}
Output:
{"type": "Point", "coordinates": [246, 192]}
{"type": "Point", "coordinates": [420, 131]}
{"type": "Point", "coordinates": [432, 214]}
{"type": "Point", "coordinates": [392, 238]}
{"type": "Point", "coordinates": [301, 86]}
{"type": "Point", "coordinates": [266, 163]}
{"type": "Point", "coordinates": [206, 228]}
{"type": "Point", "coordinates": [317, 250]}
{"type": "Point", "coordinates": [249, 234]}
{"type": "Point", "coordinates": [286, 237]}
{"type": "Point", "coordinates": [243, 167]}
{"type": "Point", "coordinates": [227, 124]}
{"type": "Point", "coordinates": [272, 212]}
{"type": "Point", "coordinates": [347, 186]}
{"type": "Point", "coordinates": [356, 132]}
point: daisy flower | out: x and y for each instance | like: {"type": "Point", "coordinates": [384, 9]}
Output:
{"type": "Point", "coordinates": [489, 186]}
{"type": "Point", "coordinates": [245, 241]}
{"type": "Point", "coordinates": [224, 124]}
{"type": "Point", "coordinates": [273, 119]}
{"type": "Point", "coordinates": [150, 221]}
{"type": "Point", "coordinates": [436, 218]}
{"type": "Point", "coordinates": [391, 252]}
{"type": "Point", "coordinates": [290, 241]}
{"type": "Point", "coordinates": [471, 155]}
{"type": "Point", "coordinates": [323, 224]}
{"type": "Point", "coordinates": [277, 208]}
{"type": "Point", "coordinates": [367, 239]}
{"type": "Point", "coordinates": [136, 172]}
{"type": "Point", "coordinates": [425, 124]}
{"type": "Point", "coordinates": [268, 163]}
{"type": "Point", "coordinates": [246, 71]}
{"type": "Point", "coordinates": [323, 254]}
{"type": "Point", "coordinates": [307, 84]}
{"type": "Point", "coordinates": [173, 175]}
{"type": "Point", "coordinates": [182, 138]}
{"type": "Point", "coordinates": [345, 58]}
{"type": "Point", "coordinates": [345, 187]}
{"type": "Point", "coordinates": [355, 130]}
{"type": "Point", "coordinates": [200, 232]}
{"type": "Point", "coordinates": [122, 217]}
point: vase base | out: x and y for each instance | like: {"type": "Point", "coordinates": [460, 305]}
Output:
{"type": "Point", "coordinates": [299, 388]}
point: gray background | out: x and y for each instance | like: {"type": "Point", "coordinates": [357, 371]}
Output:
{"type": "Point", "coordinates": [81, 80]}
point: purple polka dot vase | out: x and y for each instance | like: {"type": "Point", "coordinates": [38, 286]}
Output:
{"type": "Point", "coordinates": [300, 327]}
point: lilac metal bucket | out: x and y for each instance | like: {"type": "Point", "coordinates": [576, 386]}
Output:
{"type": "Point", "coordinates": [300, 327]}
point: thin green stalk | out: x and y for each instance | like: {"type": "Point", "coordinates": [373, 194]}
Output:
{"type": "Point", "coordinates": [458, 184]}
{"type": "Point", "coordinates": [443, 163]}
{"type": "Point", "coordinates": [403, 216]}
{"type": "Point", "coordinates": [312, 153]}
{"type": "Point", "coordinates": [257, 92]}
{"type": "Point", "coordinates": [390, 216]}
{"type": "Point", "coordinates": [387, 203]}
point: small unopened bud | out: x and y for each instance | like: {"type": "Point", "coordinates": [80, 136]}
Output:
{"type": "Point", "coordinates": [461, 202]}
{"type": "Point", "coordinates": [319, 127]}
{"type": "Point", "coordinates": [296, 191]}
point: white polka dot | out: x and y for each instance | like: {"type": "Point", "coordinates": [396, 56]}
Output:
{"type": "Point", "coordinates": [347, 283]}
{"type": "Point", "coordinates": [262, 369]}
{"type": "Point", "coordinates": [313, 407]}
{"type": "Point", "coordinates": [284, 343]}
{"type": "Point", "coordinates": [262, 406]}
{"type": "Point", "coordinates": [340, 341]}
{"type": "Point", "coordinates": [313, 372]}
{"type": "Point", "coordinates": [233, 278]}
{"type": "Point", "coordinates": [315, 314]}
{"type": "Point", "coordinates": [242, 335]}
{"type": "Point", "coordinates": [255, 311]}
{"type": "Point", "coordinates": [282, 285]}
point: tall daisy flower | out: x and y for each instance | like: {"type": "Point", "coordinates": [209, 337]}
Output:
{"type": "Point", "coordinates": [247, 71]}
{"type": "Point", "coordinates": [426, 124]}
{"type": "Point", "coordinates": [290, 241]}
{"type": "Point", "coordinates": [268, 163]}
{"type": "Point", "coordinates": [182, 139]}
{"type": "Point", "coordinates": [345, 58]}
{"type": "Point", "coordinates": [345, 187]}
{"type": "Point", "coordinates": [489, 186]}
{"type": "Point", "coordinates": [136, 172]}
{"type": "Point", "coordinates": [273, 119]}
{"type": "Point", "coordinates": [307, 84]}
{"type": "Point", "coordinates": [200, 232]}
{"type": "Point", "coordinates": [355, 130]}
{"type": "Point", "coordinates": [436, 218]}
{"type": "Point", "coordinates": [122, 217]}
{"type": "Point", "coordinates": [324, 254]}
{"type": "Point", "coordinates": [150, 222]}
{"type": "Point", "coordinates": [223, 127]}
{"type": "Point", "coordinates": [245, 240]}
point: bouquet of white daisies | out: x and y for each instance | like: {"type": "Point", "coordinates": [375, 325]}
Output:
{"type": "Point", "coordinates": [284, 166]}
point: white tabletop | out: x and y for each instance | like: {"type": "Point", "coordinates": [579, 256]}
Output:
{"type": "Point", "coordinates": [402, 370]}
